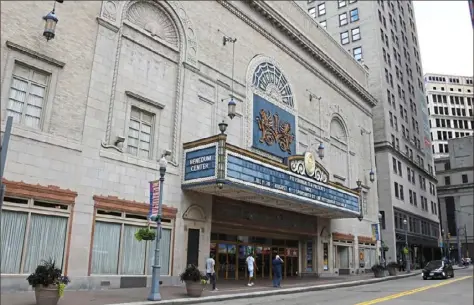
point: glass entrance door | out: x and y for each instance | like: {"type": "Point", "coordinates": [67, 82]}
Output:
{"type": "Point", "coordinates": [226, 261]}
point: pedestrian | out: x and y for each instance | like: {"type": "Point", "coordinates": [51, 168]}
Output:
{"type": "Point", "coordinates": [211, 273]}
{"type": "Point", "coordinates": [251, 266]}
{"type": "Point", "coordinates": [277, 272]}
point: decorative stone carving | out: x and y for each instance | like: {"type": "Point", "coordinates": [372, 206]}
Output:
{"type": "Point", "coordinates": [109, 10]}
{"type": "Point", "coordinates": [195, 213]}
{"type": "Point", "coordinates": [154, 21]}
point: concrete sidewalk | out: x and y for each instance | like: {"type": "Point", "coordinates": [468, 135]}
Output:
{"type": "Point", "coordinates": [228, 290]}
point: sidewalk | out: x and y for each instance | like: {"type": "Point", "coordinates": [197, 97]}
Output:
{"type": "Point", "coordinates": [227, 290]}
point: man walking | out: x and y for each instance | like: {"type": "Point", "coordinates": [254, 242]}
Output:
{"type": "Point", "coordinates": [277, 271]}
{"type": "Point", "coordinates": [251, 266]}
{"type": "Point", "coordinates": [211, 273]}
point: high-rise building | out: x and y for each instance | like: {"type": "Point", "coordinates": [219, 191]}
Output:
{"type": "Point", "coordinates": [450, 106]}
{"type": "Point", "coordinates": [382, 35]}
{"type": "Point", "coordinates": [456, 197]}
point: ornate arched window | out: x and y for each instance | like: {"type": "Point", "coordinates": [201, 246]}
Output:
{"type": "Point", "coordinates": [269, 79]}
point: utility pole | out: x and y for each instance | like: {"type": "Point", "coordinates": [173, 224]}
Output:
{"type": "Point", "coordinates": [3, 159]}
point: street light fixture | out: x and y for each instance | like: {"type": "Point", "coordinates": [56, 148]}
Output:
{"type": "Point", "coordinates": [406, 246]}
{"type": "Point", "coordinates": [155, 280]}
{"type": "Point", "coordinates": [50, 25]}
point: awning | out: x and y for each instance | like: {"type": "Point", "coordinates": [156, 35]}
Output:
{"type": "Point", "coordinates": [300, 184]}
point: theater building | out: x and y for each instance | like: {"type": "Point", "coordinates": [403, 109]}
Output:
{"type": "Point", "coordinates": [266, 118]}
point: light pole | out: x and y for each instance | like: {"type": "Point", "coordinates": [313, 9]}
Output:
{"type": "Point", "coordinates": [442, 243]}
{"type": "Point", "coordinates": [406, 246]}
{"type": "Point", "coordinates": [155, 280]}
{"type": "Point", "coordinates": [381, 239]}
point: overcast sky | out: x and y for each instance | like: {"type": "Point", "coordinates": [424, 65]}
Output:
{"type": "Point", "coordinates": [445, 36]}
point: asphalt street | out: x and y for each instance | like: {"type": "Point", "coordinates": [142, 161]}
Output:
{"type": "Point", "coordinates": [409, 291]}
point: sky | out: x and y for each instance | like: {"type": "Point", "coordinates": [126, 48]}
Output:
{"type": "Point", "coordinates": [445, 36]}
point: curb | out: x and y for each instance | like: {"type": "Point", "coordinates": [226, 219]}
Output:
{"type": "Point", "coordinates": [226, 297]}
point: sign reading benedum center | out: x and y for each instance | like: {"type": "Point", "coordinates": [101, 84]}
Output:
{"type": "Point", "coordinates": [200, 163]}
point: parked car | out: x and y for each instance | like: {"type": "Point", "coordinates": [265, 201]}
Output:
{"type": "Point", "coordinates": [438, 269]}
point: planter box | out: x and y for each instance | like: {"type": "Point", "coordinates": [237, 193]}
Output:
{"type": "Point", "coordinates": [194, 289]}
{"type": "Point", "coordinates": [392, 271]}
{"type": "Point", "coordinates": [47, 295]}
{"type": "Point", "coordinates": [379, 273]}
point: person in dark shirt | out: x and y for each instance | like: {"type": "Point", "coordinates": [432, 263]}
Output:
{"type": "Point", "coordinates": [277, 271]}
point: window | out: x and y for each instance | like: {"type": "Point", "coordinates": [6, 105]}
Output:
{"type": "Point", "coordinates": [323, 24]}
{"type": "Point", "coordinates": [341, 3]}
{"type": "Point", "coordinates": [354, 15]}
{"type": "Point", "coordinates": [447, 180]}
{"type": "Point", "coordinates": [355, 34]}
{"type": "Point", "coordinates": [312, 12]}
{"type": "Point", "coordinates": [38, 231]}
{"type": "Point", "coordinates": [116, 251]}
{"type": "Point", "coordinates": [396, 190]}
{"type": "Point", "coordinates": [394, 164]}
{"type": "Point", "coordinates": [357, 53]}
{"type": "Point", "coordinates": [322, 9]}
{"type": "Point", "coordinates": [345, 37]}
{"type": "Point", "coordinates": [464, 178]}
{"type": "Point", "coordinates": [140, 133]}
{"type": "Point", "coordinates": [402, 196]}
{"type": "Point", "coordinates": [27, 95]}
{"type": "Point", "coordinates": [342, 19]}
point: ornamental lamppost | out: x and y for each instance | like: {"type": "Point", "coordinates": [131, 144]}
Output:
{"type": "Point", "coordinates": [381, 239]}
{"type": "Point", "coordinates": [231, 105]}
{"type": "Point", "coordinates": [406, 246]}
{"type": "Point", "coordinates": [155, 280]}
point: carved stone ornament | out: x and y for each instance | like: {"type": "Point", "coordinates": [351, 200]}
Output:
{"type": "Point", "coordinates": [154, 21]}
{"type": "Point", "coordinates": [109, 11]}
{"type": "Point", "coordinates": [195, 213]}
{"type": "Point", "coordinates": [308, 166]}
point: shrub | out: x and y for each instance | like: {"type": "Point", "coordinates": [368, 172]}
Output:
{"type": "Point", "coordinates": [47, 274]}
{"type": "Point", "coordinates": [192, 274]}
{"type": "Point", "coordinates": [378, 268]}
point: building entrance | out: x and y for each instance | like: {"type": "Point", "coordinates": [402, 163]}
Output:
{"type": "Point", "coordinates": [231, 251]}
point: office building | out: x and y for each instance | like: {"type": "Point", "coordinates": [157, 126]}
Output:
{"type": "Point", "coordinates": [455, 187]}
{"type": "Point", "coordinates": [382, 36]}
{"type": "Point", "coordinates": [123, 83]}
{"type": "Point", "coordinates": [450, 104]}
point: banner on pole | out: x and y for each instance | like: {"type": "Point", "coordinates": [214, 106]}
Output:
{"type": "Point", "coordinates": [375, 231]}
{"type": "Point", "coordinates": [154, 198]}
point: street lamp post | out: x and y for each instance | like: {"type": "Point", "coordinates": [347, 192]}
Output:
{"type": "Point", "coordinates": [406, 246]}
{"type": "Point", "coordinates": [155, 280]}
{"type": "Point", "coordinates": [442, 243]}
{"type": "Point", "coordinates": [381, 239]}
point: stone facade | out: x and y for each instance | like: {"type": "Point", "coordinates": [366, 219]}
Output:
{"type": "Point", "coordinates": [167, 59]}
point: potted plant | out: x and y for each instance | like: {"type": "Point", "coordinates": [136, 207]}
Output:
{"type": "Point", "coordinates": [378, 270]}
{"type": "Point", "coordinates": [392, 268]}
{"type": "Point", "coordinates": [145, 234]}
{"type": "Point", "coordinates": [48, 283]}
{"type": "Point", "coordinates": [194, 279]}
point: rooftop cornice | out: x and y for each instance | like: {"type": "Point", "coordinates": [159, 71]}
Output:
{"type": "Point", "coordinates": [280, 22]}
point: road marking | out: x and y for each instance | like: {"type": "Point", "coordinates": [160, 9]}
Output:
{"type": "Point", "coordinates": [413, 291]}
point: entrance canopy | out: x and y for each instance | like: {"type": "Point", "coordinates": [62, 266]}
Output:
{"type": "Point", "coordinates": [299, 184]}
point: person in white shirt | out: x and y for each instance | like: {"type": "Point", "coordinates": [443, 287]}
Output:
{"type": "Point", "coordinates": [251, 266]}
{"type": "Point", "coordinates": [211, 273]}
